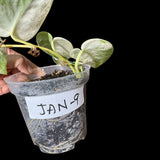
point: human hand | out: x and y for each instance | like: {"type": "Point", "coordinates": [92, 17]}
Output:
{"type": "Point", "coordinates": [15, 63]}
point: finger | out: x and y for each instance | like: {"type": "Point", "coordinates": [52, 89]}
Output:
{"type": "Point", "coordinates": [2, 76]}
{"type": "Point", "coordinates": [21, 63]}
{"type": "Point", "coordinates": [4, 90]}
{"type": "Point", "coordinates": [3, 87]}
{"type": "Point", "coordinates": [2, 83]}
{"type": "Point", "coordinates": [30, 65]}
{"type": "Point", "coordinates": [11, 52]}
{"type": "Point", "coordinates": [17, 61]}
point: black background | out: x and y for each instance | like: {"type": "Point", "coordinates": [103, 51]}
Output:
{"type": "Point", "coordinates": [77, 21]}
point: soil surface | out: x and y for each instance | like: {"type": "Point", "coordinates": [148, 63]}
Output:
{"type": "Point", "coordinates": [55, 74]}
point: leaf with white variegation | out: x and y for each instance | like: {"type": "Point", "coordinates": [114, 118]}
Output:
{"type": "Point", "coordinates": [95, 52]}
{"type": "Point", "coordinates": [62, 46]}
{"type": "Point", "coordinates": [22, 18]}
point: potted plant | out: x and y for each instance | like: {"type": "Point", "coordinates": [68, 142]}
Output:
{"type": "Point", "coordinates": [53, 98]}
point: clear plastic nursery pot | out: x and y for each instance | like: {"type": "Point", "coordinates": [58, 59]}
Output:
{"type": "Point", "coordinates": [54, 110]}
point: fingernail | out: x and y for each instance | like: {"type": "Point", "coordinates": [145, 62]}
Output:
{"type": "Point", "coordinates": [30, 69]}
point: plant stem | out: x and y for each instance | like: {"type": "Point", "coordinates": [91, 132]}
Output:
{"type": "Point", "coordinates": [29, 45]}
{"type": "Point", "coordinates": [15, 46]}
{"type": "Point", "coordinates": [77, 61]}
{"type": "Point", "coordinates": [58, 55]}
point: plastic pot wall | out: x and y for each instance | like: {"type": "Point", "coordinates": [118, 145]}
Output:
{"type": "Point", "coordinates": [54, 110]}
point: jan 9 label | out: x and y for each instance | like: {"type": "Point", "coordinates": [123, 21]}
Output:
{"type": "Point", "coordinates": [52, 106]}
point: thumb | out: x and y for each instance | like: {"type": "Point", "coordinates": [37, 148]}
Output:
{"type": "Point", "coordinates": [20, 63]}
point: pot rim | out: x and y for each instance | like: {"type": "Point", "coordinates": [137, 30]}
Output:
{"type": "Point", "coordinates": [9, 80]}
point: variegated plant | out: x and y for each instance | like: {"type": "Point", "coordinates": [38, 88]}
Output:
{"type": "Point", "coordinates": [21, 19]}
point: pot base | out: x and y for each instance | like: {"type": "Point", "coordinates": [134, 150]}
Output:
{"type": "Point", "coordinates": [56, 150]}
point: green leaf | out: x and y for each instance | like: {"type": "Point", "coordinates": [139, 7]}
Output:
{"type": "Point", "coordinates": [96, 52]}
{"type": "Point", "coordinates": [45, 40]}
{"type": "Point", "coordinates": [57, 44]}
{"type": "Point", "coordinates": [22, 18]}
{"type": "Point", "coordinates": [3, 61]}
{"type": "Point", "coordinates": [60, 45]}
